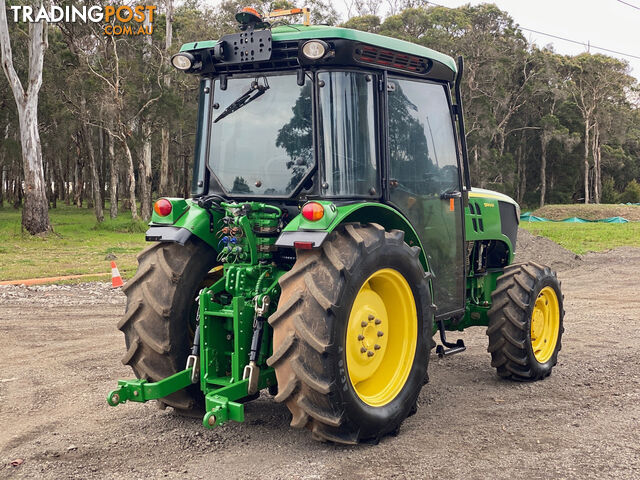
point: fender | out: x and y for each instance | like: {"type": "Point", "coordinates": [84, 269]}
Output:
{"type": "Point", "coordinates": [302, 230]}
{"type": "Point", "coordinates": [186, 219]}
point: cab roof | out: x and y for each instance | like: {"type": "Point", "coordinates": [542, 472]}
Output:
{"type": "Point", "coordinates": [305, 32]}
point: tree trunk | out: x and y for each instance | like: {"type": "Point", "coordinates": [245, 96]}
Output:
{"type": "Point", "coordinates": [102, 163]}
{"type": "Point", "coordinates": [543, 170]}
{"type": "Point", "coordinates": [2, 175]}
{"type": "Point", "coordinates": [131, 180]}
{"type": "Point", "coordinates": [144, 166]}
{"type": "Point", "coordinates": [35, 213]}
{"type": "Point", "coordinates": [476, 163]}
{"type": "Point", "coordinates": [521, 173]}
{"type": "Point", "coordinates": [595, 149]}
{"type": "Point", "coordinates": [77, 179]}
{"type": "Point", "coordinates": [145, 171]}
{"type": "Point", "coordinates": [67, 190]}
{"type": "Point", "coordinates": [2, 168]}
{"type": "Point", "coordinates": [587, 121]}
{"type": "Point", "coordinates": [95, 178]}
{"type": "Point", "coordinates": [93, 166]}
{"type": "Point", "coordinates": [19, 193]}
{"type": "Point", "coordinates": [185, 191]}
{"type": "Point", "coordinates": [60, 188]}
{"type": "Point", "coordinates": [164, 187]}
{"type": "Point", "coordinates": [113, 183]}
{"type": "Point", "coordinates": [46, 171]}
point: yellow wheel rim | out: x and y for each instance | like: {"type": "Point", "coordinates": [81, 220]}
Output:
{"type": "Point", "coordinates": [545, 324]}
{"type": "Point", "coordinates": [382, 334]}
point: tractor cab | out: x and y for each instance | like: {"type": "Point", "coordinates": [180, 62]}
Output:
{"type": "Point", "coordinates": [300, 112]}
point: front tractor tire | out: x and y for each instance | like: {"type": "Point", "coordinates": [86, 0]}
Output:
{"type": "Point", "coordinates": [351, 335]}
{"type": "Point", "coordinates": [160, 306]}
{"type": "Point", "coordinates": [526, 322]}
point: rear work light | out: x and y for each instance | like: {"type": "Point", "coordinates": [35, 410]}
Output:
{"type": "Point", "coordinates": [182, 61]}
{"type": "Point", "coordinates": [314, 49]}
{"type": "Point", "coordinates": [162, 207]}
{"type": "Point", "coordinates": [313, 211]}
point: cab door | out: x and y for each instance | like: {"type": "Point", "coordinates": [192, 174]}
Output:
{"type": "Point", "coordinates": [424, 181]}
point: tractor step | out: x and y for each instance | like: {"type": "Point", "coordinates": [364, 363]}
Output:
{"type": "Point", "coordinates": [451, 348]}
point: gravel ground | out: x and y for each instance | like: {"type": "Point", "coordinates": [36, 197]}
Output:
{"type": "Point", "coordinates": [61, 354]}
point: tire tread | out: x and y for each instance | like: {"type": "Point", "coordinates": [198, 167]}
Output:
{"type": "Point", "coordinates": [508, 323]}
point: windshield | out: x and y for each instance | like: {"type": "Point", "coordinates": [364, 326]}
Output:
{"type": "Point", "coordinates": [264, 146]}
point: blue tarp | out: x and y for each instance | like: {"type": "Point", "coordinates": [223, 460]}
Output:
{"type": "Point", "coordinates": [574, 220]}
{"type": "Point", "coordinates": [614, 220]}
{"type": "Point", "coordinates": [529, 217]}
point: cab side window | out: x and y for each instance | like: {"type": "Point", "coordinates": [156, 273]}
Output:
{"type": "Point", "coordinates": [422, 146]}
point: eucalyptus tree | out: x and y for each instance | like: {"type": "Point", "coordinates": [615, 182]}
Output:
{"type": "Point", "coordinates": [596, 80]}
{"type": "Point", "coordinates": [35, 213]}
{"type": "Point", "coordinates": [163, 188]}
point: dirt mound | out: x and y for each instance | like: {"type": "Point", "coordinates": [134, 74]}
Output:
{"type": "Point", "coordinates": [541, 250]}
{"type": "Point", "coordinates": [589, 212]}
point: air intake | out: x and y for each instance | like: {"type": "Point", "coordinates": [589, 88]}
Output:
{"type": "Point", "coordinates": [390, 59]}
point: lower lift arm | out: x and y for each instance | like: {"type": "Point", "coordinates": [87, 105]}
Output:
{"type": "Point", "coordinates": [142, 391]}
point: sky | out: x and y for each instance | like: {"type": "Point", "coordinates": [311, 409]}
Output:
{"type": "Point", "coordinates": [611, 24]}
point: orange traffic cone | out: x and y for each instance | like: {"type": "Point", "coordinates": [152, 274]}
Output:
{"type": "Point", "coordinates": [116, 279]}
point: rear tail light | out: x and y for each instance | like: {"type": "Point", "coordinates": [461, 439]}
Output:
{"type": "Point", "coordinates": [313, 211]}
{"type": "Point", "coordinates": [162, 207]}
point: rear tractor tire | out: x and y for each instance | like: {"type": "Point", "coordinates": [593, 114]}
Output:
{"type": "Point", "coordinates": [351, 335]}
{"type": "Point", "coordinates": [526, 322]}
{"type": "Point", "coordinates": [160, 305]}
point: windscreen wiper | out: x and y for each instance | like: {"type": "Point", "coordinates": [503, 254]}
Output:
{"type": "Point", "coordinates": [246, 98]}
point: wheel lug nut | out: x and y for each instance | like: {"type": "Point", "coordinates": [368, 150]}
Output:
{"type": "Point", "coordinates": [371, 317]}
{"type": "Point", "coordinates": [376, 347]}
{"type": "Point", "coordinates": [369, 353]}
{"type": "Point", "coordinates": [380, 333]}
{"type": "Point", "coordinates": [363, 350]}
{"type": "Point", "coordinates": [364, 324]}
{"type": "Point", "coordinates": [360, 337]}
{"type": "Point", "coordinates": [378, 321]}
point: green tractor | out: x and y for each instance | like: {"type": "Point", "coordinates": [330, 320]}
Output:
{"type": "Point", "coordinates": [333, 231]}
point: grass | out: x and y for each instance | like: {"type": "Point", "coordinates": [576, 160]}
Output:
{"type": "Point", "coordinates": [588, 237]}
{"type": "Point", "coordinates": [77, 245]}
